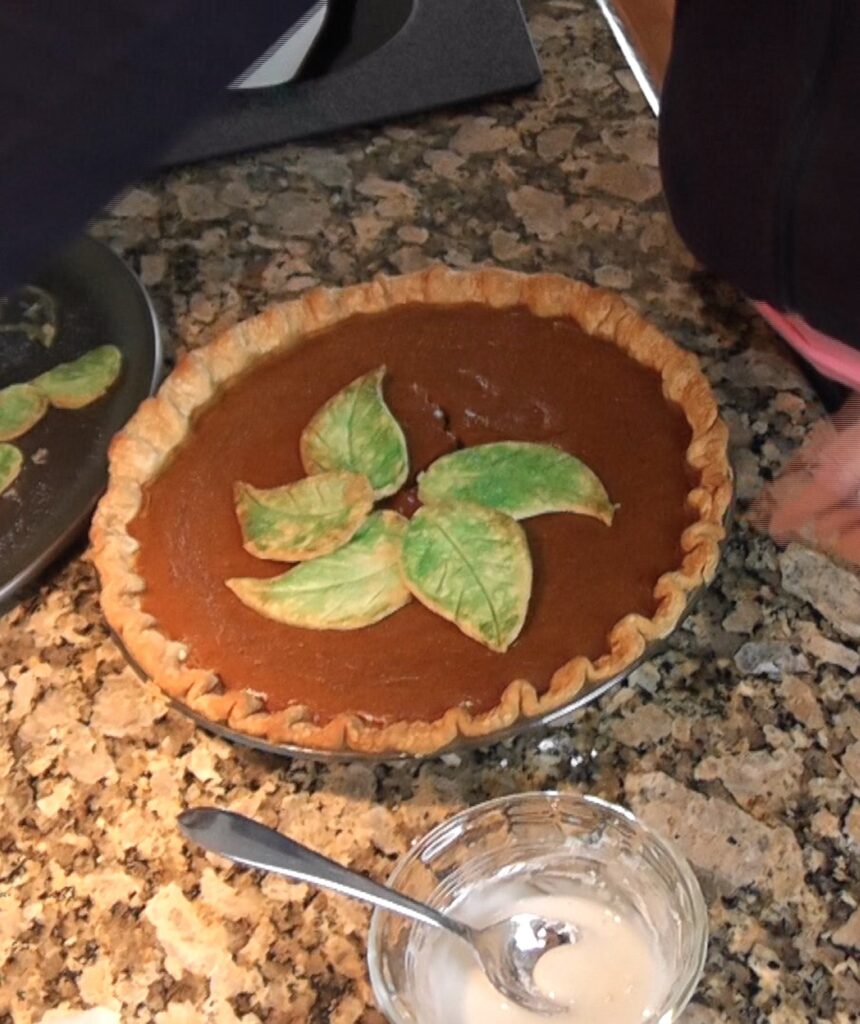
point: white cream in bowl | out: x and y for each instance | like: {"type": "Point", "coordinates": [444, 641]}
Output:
{"type": "Point", "coordinates": [613, 973]}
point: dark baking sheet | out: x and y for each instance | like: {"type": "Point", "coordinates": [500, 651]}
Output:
{"type": "Point", "coordinates": [99, 301]}
{"type": "Point", "coordinates": [397, 57]}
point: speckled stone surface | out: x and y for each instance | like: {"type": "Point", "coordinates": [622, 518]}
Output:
{"type": "Point", "coordinates": [742, 741]}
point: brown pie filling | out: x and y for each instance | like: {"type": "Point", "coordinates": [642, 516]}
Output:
{"type": "Point", "coordinates": [460, 375]}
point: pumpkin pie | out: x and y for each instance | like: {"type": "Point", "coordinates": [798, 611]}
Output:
{"type": "Point", "coordinates": [470, 359]}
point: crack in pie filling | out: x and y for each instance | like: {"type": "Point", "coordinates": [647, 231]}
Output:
{"type": "Point", "coordinates": [470, 359]}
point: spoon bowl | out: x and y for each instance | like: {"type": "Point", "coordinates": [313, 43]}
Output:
{"type": "Point", "coordinates": [509, 951]}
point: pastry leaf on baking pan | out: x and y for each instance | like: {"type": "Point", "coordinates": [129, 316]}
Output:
{"type": "Point", "coordinates": [11, 461]}
{"type": "Point", "coordinates": [472, 566]}
{"type": "Point", "coordinates": [76, 384]}
{"type": "Point", "coordinates": [355, 586]}
{"type": "Point", "coordinates": [304, 519]}
{"type": "Point", "coordinates": [356, 431]}
{"type": "Point", "coordinates": [519, 478]}
{"type": "Point", "coordinates": [21, 407]}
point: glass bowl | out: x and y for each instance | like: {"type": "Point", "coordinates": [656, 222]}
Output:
{"type": "Point", "coordinates": [564, 842]}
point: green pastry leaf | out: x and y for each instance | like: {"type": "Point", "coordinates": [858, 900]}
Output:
{"type": "Point", "coordinates": [74, 385]}
{"type": "Point", "coordinates": [21, 407]}
{"type": "Point", "coordinates": [472, 566]}
{"type": "Point", "coordinates": [305, 519]}
{"type": "Point", "coordinates": [518, 478]}
{"type": "Point", "coordinates": [355, 586]}
{"type": "Point", "coordinates": [11, 461]}
{"type": "Point", "coordinates": [356, 431]}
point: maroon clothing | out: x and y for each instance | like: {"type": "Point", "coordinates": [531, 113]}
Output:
{"type": "Point", "coordinates": [760, 150]}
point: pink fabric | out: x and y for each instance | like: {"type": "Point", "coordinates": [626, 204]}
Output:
{"type": "Point", "coordinates": [830, 357]}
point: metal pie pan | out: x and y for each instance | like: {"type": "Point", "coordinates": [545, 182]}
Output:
{"type": "Point", "coordinates": [559, 717]}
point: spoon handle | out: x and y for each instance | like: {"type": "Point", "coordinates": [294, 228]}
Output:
{"type": "Point", "coordinates": [248, 842]}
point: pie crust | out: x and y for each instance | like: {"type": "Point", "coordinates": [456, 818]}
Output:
{"type": "Point", "coordinates": [144, 446]}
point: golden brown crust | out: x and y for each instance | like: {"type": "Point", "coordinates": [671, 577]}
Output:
{"type": "Point", "coordinates": [140, 451]}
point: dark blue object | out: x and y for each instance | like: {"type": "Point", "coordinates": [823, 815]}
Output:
{"type": "Point", "coordinates": [92, 92]}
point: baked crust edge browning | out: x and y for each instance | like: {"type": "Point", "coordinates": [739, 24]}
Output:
{"type": "Point", "coordinates": [140, 451]}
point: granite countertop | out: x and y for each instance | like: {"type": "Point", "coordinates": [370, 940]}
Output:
{"type": "Point", "coordinates": [743, 739]}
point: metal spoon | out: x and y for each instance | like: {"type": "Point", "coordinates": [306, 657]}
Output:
{"type": "Point", "coordinates": [508, 950]}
